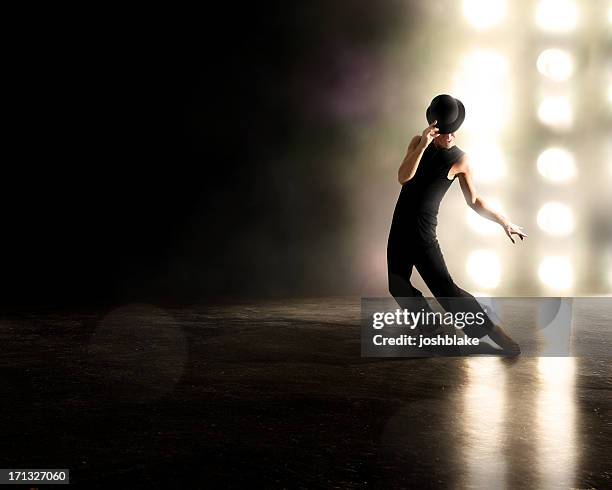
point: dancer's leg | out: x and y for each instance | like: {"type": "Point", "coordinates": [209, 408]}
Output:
{"type": "Point", "coordinates": [399, 270]}
{"type": "Point", "coordinates": [432, 267]}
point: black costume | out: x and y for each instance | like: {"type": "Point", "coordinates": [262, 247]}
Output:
{"type": "Point", "coordinates": [413, 241]}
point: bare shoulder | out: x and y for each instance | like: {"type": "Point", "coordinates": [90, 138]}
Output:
{"type": "Point", "coordinates": [462, 166]}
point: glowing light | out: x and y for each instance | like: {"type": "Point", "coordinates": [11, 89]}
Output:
{"type": "Point", "coordinates": [607, 269]}
{"type": "Point", "coordinates": [482, 225]}
{"type": "Point", "coordinates": [556, 272]}
{"type": "Point", "coordinates": [557, 15]}
{"type": "Point", "coordinates": [555, 422]}
{"type": "Point", "coordinates": [481, 294]}
{"type": "Point", "coordinates": [559, 371]}
{"type": "Point", "coordinates": [484, 267]}
{"type": "Point", "coordinates": [556, 112]}
{"type": "Point", "coordinates": [556, 219]}
{"type": "Point", "coordinates": [484, 14]}
{"type": "Point", "coordinates": [555, 64]}
{"type": "Point", "coordinates": [610, 94]}
{"type": "Point", "coordinates": [482, 83]}
{"type": "Point", "coordinates": [485, 392]}
{"type": "Point", "coordinates": [487, 162]}
{"type": "Point", "coordinates": [557, 165]}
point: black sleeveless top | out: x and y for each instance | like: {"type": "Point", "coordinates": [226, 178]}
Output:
{"type": "Point", "coordinates": [416, 211]}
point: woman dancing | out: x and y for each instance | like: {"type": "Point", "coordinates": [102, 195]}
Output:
{"type": "Point", "coordinates": [431, 165]}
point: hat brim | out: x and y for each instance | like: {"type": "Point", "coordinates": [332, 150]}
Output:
{"type": "Point", "coordinates": [453, 126]}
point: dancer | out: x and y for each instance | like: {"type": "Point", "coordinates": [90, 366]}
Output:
{"type": "Point", "coordinates": [431, 165]}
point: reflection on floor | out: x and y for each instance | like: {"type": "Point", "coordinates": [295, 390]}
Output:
{"type": "Point", "coordinates": [276, 393]}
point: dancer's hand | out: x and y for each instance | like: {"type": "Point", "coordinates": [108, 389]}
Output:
{"type": "Point", "coordinates": [512, 229]}
{"type": "Point", "coordinates": [429, 133]}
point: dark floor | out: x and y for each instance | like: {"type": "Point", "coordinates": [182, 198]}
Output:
{"type": "Point", "coordinates": [275, 393]}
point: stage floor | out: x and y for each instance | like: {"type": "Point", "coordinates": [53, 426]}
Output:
{"type": "Point", "coordinates": [275, 393]}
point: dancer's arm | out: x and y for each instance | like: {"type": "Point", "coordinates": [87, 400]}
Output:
{"type": "Point", "coordinates": [415, 151]}
{"type": "Point", "coordinates": [479, 205]}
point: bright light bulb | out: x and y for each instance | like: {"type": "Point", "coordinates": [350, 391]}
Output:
{"type": "Point", "coordinates": [556, 165]}
{"type": "Point", "coordinates": [556, 219]}
{"type": "Point", "coordinates": [556, 112]}
{"type": "Point", "coordinates": [484, 268]}
{"type": "Point", "coordinates": [556, 272]}
{"type": "Point", "coordinates": [487, 162]}
{"type": "Point", "coordinates": [557, 15]}
{"type": "Point", "coordinates": [483, 85]}
{"type": "Point", "coordinates": [555, 64]}
{"type": "Point", "coordinates": [484, 14]}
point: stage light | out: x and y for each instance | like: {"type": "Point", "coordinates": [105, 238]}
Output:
{"type": "Point", "coordinates": [487, 162]}
{"type": "Point", "coordinates": [556, 112]}
{"type": "Point", "coordinates": [556, 272]}
{"type": "Point", "coordinates": [556, 219]}
{"type": "Point", "coordinates": [484, 14]}
{"type": "Point", "coordinates": [482, 225]}
{"type": "Point", "coordinates": [557, 15]}
{"type": "Point", "coordinates": [484, 268]}
{"type": "Point", "coordinates": [556, 165]}
{"type": "Point", "coordinates": [555, 64]}
{"type": "Point", "coordinates": [486, 93]}
{"type": "Point", "coordinates": [481, 294]}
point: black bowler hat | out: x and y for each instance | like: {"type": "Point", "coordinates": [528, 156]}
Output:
{"type": "Point", "coordinates": [448, 111]}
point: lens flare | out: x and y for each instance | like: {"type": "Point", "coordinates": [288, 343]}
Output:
{"type": "Point", "coordinates": [555, 64]}
{"type": "Point", "coordinates": [556, 272]}
{"type": "Point", "coordinates": [487, 162]}
{"type": "Point", "coordinates": [484, 268]}
{"type": "Point", "coordinates": [557, 165]}
{"type": "Point", "coordinates": [486, 93]}
{"type": "Point", "coordinates": [556, 112]}
{"type": "Point", "coordinates": [556, 219]}
{"type": "Point", "coordinates": [557, 16]}
{"type": "Point", "coordinates": [484, 14]}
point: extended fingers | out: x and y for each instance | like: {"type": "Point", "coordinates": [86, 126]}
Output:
{"type": "Point", "coordinates": [520, 234]}
{"type": "Point", "coordinates": [432, 126]}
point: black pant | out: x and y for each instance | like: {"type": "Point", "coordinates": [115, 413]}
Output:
{"type": "Point", "coordinates": [402, 255]}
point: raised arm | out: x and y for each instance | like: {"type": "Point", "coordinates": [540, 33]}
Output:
{"type": "Point", "coordinates": [416, 148]}
{"type": "Point", "coordinates": [473, 200]}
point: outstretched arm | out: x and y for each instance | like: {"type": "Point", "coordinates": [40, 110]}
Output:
{"type": "Point", "coordinates": [415, 151]}
{"type": "Point", "coordinates": [479, 205]}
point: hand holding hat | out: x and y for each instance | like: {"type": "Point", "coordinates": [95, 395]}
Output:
{"type": "Point", "coordinates": [429, 134]}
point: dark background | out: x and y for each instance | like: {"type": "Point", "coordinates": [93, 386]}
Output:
{"type": "Point", "coordinates": [171, 156]}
